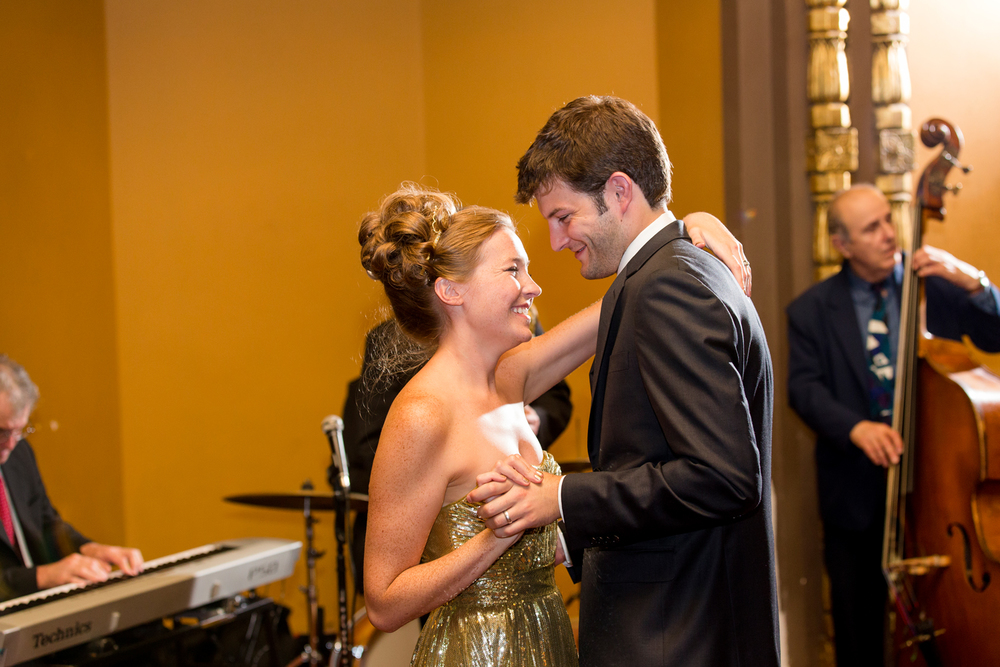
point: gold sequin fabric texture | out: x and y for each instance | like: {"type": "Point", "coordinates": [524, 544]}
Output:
{"type": "Point", "coordinates": [511, 616]}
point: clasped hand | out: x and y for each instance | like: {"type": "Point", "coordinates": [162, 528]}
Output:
{"type": "Point", "coordinates": [516, 496]}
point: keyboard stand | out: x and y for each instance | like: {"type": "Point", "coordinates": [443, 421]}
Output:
{"type": "Point", "coordinates": [240, 631]}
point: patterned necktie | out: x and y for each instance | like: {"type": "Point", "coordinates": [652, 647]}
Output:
{"type": "Point", "coordinates": [5, 516]}
{"type": "Point", "coordinates": [881, 380]}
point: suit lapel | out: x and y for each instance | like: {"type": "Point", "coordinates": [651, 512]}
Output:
{"type": "Point", "coordinates": [608, 304]}
{"type": "Point", "coordinates": [607, 332]}
{"type": "Point", "coordinates": [844, 322]}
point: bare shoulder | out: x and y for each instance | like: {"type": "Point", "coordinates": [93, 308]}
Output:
{"type": "Point", "coordinates": [415, 429]}
{"type": "Point", "coordinates": [418, 420]}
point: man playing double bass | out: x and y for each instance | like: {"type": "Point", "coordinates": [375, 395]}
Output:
{"type": "Point", "coordinates": [842, 336]}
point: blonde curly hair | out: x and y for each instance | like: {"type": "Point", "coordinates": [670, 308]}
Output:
{"type": "Point", "coordinates": [417, 235]}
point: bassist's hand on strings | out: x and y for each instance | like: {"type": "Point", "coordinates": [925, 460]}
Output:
{"type": "Point", "coordinates": [931, 261]}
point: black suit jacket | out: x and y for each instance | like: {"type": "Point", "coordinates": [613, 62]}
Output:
{"type": "Point", "coordinates": [828, 385]}
{"type": "Point", "coordinates": [676, 517]}
{"type": "Point", "coordinates": [46, 535]}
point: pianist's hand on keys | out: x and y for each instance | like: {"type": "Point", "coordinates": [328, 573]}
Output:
{"type": "Point", "coordinates": [92, 564]}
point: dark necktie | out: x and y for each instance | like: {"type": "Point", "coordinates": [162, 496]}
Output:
{"type": "Point", "coordinates": [881, 382]}
{"type": "Point", "coordinates": [5, 516]}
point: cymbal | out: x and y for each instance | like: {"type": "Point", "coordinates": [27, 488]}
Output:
{"type": "Point", "coordinates": [297, 501]}
{"type": "Point", "coordinates": [574, 465]}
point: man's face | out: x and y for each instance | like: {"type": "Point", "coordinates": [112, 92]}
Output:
{"type": "Point", "coordinates": [12, 424]}
{"type": "Point", "coordinates": [870, 246]}
{"type": "Point", "coordinates": [597, 240]}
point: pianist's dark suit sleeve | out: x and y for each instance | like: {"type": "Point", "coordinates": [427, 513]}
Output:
{"type": "Point", "coordinates": [46, 535]}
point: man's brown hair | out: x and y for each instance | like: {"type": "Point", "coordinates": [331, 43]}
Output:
{"type": "Point", "coordinates": [588, 140]}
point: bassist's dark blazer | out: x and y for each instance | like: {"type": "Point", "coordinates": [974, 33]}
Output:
{"type": "Point", "coordinates": [828, 384]}
{"type": "Point", "coordinates": [47, 537]}
{"type": "Point", "coordinates": [676, 519]}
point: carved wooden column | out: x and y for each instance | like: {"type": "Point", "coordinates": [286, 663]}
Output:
{"type": "Point", "coordinates": [893, 118]}
{"type": "Point", "coordinates": [833, 146]}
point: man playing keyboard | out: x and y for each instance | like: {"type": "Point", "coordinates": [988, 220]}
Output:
{"type": "Point", "coordinates": [39, 550]}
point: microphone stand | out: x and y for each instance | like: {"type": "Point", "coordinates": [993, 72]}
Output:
{"type": "Point", "coordinates": [342, 654]}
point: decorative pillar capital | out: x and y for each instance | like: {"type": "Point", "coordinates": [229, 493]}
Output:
{"type": "Point", "coordinates": [832, 147]}
{"type": "Point", "coordinates": [890, 26]}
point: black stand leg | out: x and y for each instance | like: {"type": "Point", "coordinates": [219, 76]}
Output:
{"type": "Point", "coordinates": [310, 653]}
{"type": "Point", "coordinates": [342, 655]}
{"type": "Point", "coordinates": [272, 637]}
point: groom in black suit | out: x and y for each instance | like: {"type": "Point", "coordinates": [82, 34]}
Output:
{"type": "Point", "coordinates": [671, 533]}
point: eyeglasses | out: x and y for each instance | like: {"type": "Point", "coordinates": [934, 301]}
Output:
{"type": "Point", "coordinates": [16, 433]}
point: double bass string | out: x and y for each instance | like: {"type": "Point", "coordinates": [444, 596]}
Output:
{"type": "Point", "coordinates": [899, 479]}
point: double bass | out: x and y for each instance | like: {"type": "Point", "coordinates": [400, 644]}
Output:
{"type": "Point", "coordinates": [941, 551]}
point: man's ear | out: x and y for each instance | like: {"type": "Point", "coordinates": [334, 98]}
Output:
{"type": "Point", "coordinates": [449, 292]}
{"type": "Point", "coordinates": [837, 241]}
{"type": "Point", "coordinates": [619, 191]}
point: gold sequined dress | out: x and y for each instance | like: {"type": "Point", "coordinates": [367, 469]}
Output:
{"type": "Point", "coordinates": [511, 616]}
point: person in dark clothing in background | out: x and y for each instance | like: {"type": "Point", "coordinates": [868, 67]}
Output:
{"type": "Point", "coordinates": [843, 335]}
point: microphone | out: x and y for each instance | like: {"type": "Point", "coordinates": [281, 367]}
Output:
{"type": "Point", "coordinates": [334, 426]}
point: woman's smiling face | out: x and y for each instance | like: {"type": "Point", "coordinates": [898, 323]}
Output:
{"type": "Point", "coordinates": [499, 293]}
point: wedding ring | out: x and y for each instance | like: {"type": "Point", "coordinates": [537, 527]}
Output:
{"type": "Point", "coordinates": [507, 516]}
{"type": "Point", "coordinates": [746, 263]}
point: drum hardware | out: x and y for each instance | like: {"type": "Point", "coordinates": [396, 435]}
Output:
{"type": "Point", "coordinates": [307, 501]}
{"type": "Point", "coordinates": [310, 652]}
{"type": "Point", "coordinates": [318, 502]}
{"type": "Point", "coordinates": [341, 503]}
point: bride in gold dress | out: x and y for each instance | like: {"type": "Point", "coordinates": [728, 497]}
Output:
{"type": "Point", "coordinates": [458, 282]}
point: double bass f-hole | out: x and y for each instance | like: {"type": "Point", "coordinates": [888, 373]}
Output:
{"type": "Point", "coordinates": [967, 547]}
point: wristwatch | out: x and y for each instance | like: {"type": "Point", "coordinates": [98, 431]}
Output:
{"type": "Point", "coordinates": [984, 282]}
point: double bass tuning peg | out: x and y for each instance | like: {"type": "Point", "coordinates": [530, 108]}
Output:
{"type": "Point", "coordinates": [955, 163]}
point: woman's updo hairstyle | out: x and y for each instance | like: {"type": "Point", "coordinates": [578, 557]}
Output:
{"type": "Point", "coordinates": [416, 236]}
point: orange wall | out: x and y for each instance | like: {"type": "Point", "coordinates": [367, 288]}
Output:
{"type": "Point", "coordinates": [690, 97]}
{"type": "Point", "coordinates": [231, 150]}
{"type": "Point", "coordinates": [55, 234]}
{"type": "Point", "coordinates": [493, 75]}
{"type": "Point", "coordinates": [246, 142]}
{"type": "Point", "coordinates": [955, 68]}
